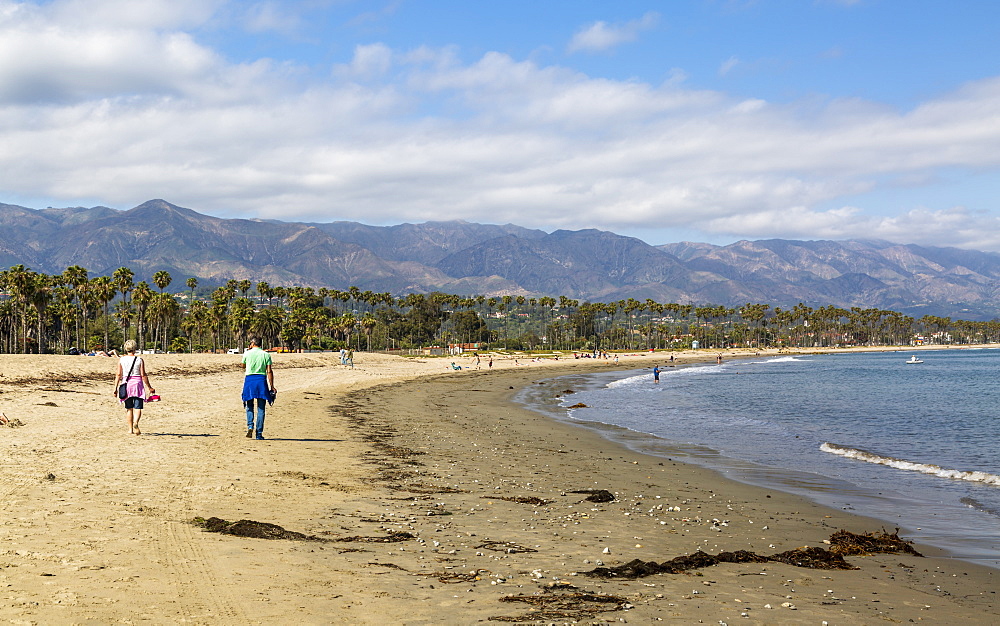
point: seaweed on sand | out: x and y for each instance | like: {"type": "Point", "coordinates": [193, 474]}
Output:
{"type": "Point", "coordinates": [252, 529]}
{"type": "Point", "coordinates": [264, 530]}
{"type": "Point", "coordinates": [597, 495]}
{"type": "Point", "coordinates": [563, 603]}
{"type": "Point", "coordinates": [504, 546]}
{"type": "Point", "coordinates": [519, 499]}
{"type": "Point", "coordinates": [843, 542]}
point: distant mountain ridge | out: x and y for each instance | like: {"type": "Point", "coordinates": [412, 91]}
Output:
{"type": "Point", "coordinates": [468, 258]}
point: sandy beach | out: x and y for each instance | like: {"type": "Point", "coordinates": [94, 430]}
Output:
{"type": "Point", "coordinates": [406, 493]}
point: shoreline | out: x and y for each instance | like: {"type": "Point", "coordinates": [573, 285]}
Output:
{"type": "Point", "coordinates": [717, 514]}
{"type": "Point", "coordinates": [892, 509]}
{"type": "Point", "coordinates": [99, 523]}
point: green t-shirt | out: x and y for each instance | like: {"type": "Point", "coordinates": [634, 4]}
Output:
{"type": "Point", "coordinates": [256, 361]}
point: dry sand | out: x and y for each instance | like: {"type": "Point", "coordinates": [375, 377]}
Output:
{"type": "Point", "coordinates": [96, 523]}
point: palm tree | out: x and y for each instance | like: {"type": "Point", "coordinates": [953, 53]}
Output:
{"type": "Point", "coordinates": [240, 319]}
{"type": "Point", "coordinates": [196, 322]}
{"type": "Point", "coordinates": [164, 308]}
{"type": "Point", "coordinates": [122, 278]}
{"type": "Point", "coordinates": [65, 313]}
{"type": "Point", "coordinates": [267, 324]}
{"type": "Point", "coordinates": [76, 277]}
{"type": "Point", "coordinates": [368, 324]}
{"type": "Point", "coordinates": [22, 284]}
{"type": "Point", "coordinates": [142, 296]}
{"type": "Point", "coordinates": [8, 325]}
{"type": "Point", "coordinates": [264, 291]}
{"type": "Point", "coordinates": [162, 280]}
{"type": "Point", "coordinates": [344, 325]}
{"type": "Point", "coordinates": [104, 291]}
{"type": "Point", "coordinates": [40, 298]}
{"type": "Point", "coordinates": [192, 283]}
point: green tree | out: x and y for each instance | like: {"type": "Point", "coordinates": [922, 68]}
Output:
{"type": "Point", "coordinates": [162, 280]}
{"type": "Point", "coordinates": [469, 327]}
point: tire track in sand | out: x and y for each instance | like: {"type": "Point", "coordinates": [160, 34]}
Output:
{"type": "Point", "coordinates": [201, 596]}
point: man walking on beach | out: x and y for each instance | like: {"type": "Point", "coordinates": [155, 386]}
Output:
{"type": "Point", "coordinates": [257, 385]}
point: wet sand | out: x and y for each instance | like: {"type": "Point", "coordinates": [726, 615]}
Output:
{"type": "Point", "coordinates": [425, 496]}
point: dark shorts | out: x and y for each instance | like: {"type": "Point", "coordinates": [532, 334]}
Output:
{"type": "Point", "coordinates": [133, 403]}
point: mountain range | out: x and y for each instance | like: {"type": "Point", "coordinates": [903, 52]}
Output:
{"type": "Point", "coordinates": [466, 258]}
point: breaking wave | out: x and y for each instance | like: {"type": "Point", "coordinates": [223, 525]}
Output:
{"type": "Point", "coordinates": [785, 359]}
{"type": "Point", "coordinates": [923, 468]}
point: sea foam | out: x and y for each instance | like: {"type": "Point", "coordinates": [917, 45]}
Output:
{"type": "Point", "coordinates": [911, 466]}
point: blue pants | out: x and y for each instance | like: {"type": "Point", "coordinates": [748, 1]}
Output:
{"type": "Point", "coordinates": [261, 409]}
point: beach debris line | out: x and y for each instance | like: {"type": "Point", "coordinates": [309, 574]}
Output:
{"type": "Point", "coordinates": [252, 529]}
{"type": "Point", "coordinates": [426, 489]}
{"type": "Point", "coordinates": [597, 495]}
{"type": "Point", "coordinates": [504, 546]}
{"type": "Point", "coordinates": [813, 558]}
{"type": "Point", "coordinates": [563, 601]}
{"type": "Point", "coordinates": [844, 542]}
{"type": "Point", "coordinates": [458, 577]}
{"type": "Point", "coordinates": [264, 530]}
{"type": "Point", "coordinates": [519, 499]}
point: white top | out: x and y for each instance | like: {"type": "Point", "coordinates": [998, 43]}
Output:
{"type": "Point", "coordinates": [126, 362]}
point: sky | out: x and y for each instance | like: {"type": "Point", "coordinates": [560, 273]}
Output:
{"type": "Point", "coordinates": [697, 120]}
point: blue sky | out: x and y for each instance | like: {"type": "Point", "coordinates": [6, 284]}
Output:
{"type": "Point", "coordinates": [706, 120]}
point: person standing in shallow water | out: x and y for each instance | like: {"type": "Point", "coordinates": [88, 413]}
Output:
{"type": "Point", "coordinates": [132, 371]}
{"type": "Point", "coordinates": [258, 384]}
{"type": "Point", "coordinates": [656, 373]}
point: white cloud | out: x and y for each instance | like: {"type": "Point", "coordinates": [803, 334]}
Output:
{"type": "Point", "coordinates": [138, 14]}
{"type": "Point", "coordinates": [954, 226]}
{"type": "Point", "coordinates": [728, 65]}
{"type": "Point", "coordinates": [269, 16]}
{"type": "Point", "coordinates": [370, 61]}
{"type": "Point", "coordinates": [57, 53]}
{"type": "Point", "coordinates": [132, 113]}
{"type": "Point", "coordinates": [601, 36]}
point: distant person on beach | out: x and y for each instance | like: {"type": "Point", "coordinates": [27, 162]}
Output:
{"type": "Point", "coordinates": [656, 373]}
{"type": "Point", "coordinates": [258, 384]}
{"type": "Point", "coordinates": [349, 358]}
{"type": "Point", "coordinates": [132, 373]}
{"type": "Point", "coordinates": [490, 364]}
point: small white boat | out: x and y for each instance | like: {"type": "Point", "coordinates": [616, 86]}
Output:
{"type": "Point", "coordinates": [913, 359]}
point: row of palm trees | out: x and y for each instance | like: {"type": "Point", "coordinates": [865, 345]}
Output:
{"type": "Point", "coordinates": [51, 313]}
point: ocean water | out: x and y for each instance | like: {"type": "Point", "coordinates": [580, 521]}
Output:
{"type": "Point", "coordinates": [915, 445]}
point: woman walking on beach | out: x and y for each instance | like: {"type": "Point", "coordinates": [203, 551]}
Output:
{"type": "Point", "coordinates": [132, 373]}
